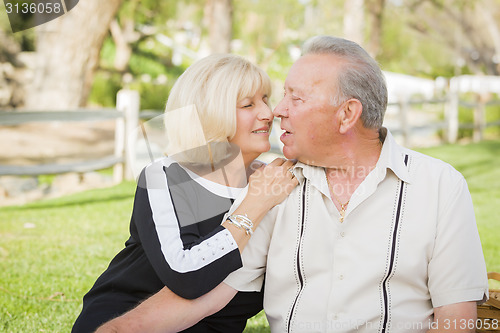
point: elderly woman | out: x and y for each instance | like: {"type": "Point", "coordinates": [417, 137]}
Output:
{"type": "Point", "coordinates": [180, 234]}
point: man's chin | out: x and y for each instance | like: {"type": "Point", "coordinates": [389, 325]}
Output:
{"type": "Point", "coordinates": [289, 153]}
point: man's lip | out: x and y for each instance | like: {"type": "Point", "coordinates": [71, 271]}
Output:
{"type": "Point", "coordinates": [286, 131]}
{"type": "Point", "coordinates": [284, 137]}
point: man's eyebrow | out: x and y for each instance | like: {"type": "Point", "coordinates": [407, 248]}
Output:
{"type": "Point", "coordinates": [298, 91]}
{"type": "Point", "coordinates": [291, 88]}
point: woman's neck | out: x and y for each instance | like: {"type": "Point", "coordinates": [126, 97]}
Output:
{"type": "Point", "coordinates": [231, 172]}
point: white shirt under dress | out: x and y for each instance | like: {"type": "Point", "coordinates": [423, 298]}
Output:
{"type": "Point", "coordinates": [408, 243]}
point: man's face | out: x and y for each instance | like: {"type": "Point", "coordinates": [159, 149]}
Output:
{"type": "Point", "coordinates": [307, 115]}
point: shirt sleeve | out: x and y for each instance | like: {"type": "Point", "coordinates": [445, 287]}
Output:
{"type": "Point", "coordinates": [188, 272]}
{"type": "Point", "coordinates": [250, 277]}
{"type": "Point", "coordinates": [457, 271]}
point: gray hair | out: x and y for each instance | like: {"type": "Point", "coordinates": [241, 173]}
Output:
{"type": "Point", "coordinates": [361, 78]}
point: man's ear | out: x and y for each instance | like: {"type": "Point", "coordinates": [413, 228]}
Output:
{"type": "Point", "coordinates": [349, 115]}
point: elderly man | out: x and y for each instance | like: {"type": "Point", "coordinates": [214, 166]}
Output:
{"type": "Point", "coordinates": [375, 238]}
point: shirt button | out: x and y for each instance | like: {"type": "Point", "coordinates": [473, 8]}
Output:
{"type": "Point", "coordinates": [341, 277]}
{"type": "Point", "coordinates": [342, 234]}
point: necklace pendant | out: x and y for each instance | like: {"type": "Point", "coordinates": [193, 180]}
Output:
{"type": "Point", "coordinates": [342, 214]}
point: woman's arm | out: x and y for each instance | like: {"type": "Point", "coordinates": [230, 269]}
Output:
{"type": "Point", "coordinates": [188, 271]}
{"type": "Point", "coordinates": [192, 272]}
{"type": "Point", "coordinates": [458, 317]}
{"type": "Point", "coordinates": [166, 312]}
{"type": "Point", "coordinates": [268, 186]}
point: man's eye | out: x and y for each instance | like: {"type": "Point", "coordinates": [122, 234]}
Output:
{"type": "Point", "coordinates": [296, 98]}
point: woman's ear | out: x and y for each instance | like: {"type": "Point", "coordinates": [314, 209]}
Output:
{"type": "Point", "coordinates": [350, 115]}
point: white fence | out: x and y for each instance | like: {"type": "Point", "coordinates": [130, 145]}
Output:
{"type": "Point", "coordinates": [126, 116]}
{"type": "Point", "coordinates": [410, 97]}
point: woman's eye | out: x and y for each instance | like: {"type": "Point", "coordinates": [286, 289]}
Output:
{"type": "Point", "coordinates": [248, 106]}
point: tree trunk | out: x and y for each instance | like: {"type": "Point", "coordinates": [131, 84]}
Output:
{"type": "Point", "coordinates": [123, 38]}
{"type": "Point", "coordinates": [375, 11]}
{"type": "Point", "coordinates": [354, 20]}
{"type": "Point", "coordinates": [220, 25]}
{"type": "Point", "coordinates": [67, 55]}
{"type": "Point", "coordinates": [494, 30]}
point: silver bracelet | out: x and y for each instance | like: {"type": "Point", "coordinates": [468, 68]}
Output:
{"type": "Point", "coordinates": [245, 222]}
{"type": "Point", "coordinates": [242, 222]}
{"type": "Point", "coordinates": [236, 224]}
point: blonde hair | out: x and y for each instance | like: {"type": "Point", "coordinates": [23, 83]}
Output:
{"type": "Point", "coordinates": [201, 108]}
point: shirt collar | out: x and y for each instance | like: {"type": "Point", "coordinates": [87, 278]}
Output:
{"type": "Point", "coordinates": [302, 170]}
{"type": "Point", "coordinates": [391, 157]}
{"type": "Point", "coordinates": [315, 175]}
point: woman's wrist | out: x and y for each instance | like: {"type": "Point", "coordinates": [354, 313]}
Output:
{"type": "Point", "coordinates": [242, 222]}
{"type": "Point", "coordinates": [254, 208]}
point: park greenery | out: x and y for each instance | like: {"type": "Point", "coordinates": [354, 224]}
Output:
{"type": "Point", "coordinates": [52, 251]}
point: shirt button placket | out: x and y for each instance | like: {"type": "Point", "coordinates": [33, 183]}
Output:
{"type": "Point", "coordinates": [342, 236]}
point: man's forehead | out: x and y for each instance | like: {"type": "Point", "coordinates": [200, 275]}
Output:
{"type": "Point", "coordinates": [310, 71]}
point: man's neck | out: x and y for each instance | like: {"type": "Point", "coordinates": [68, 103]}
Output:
{"type": "Point", "coordinates": [351, 160]}
{"type": "Point", "coordinates": [357, 151]}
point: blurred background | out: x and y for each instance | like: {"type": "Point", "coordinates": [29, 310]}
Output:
{"type": "Point", "coordinates": [74, 89]}
{"type": "Point", "coordinates": [86, 56]}
{"type": "Point", "coordinates": [441, 59]}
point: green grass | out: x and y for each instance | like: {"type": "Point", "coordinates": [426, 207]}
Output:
{"type": "Point", "coordinates": [52, 251]}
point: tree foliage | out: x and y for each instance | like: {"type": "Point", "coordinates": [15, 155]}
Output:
{"type": "Point", "coordinates": [468, 30]}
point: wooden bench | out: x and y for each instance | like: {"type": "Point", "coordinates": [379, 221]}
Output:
{"type": "Point", "coordinates": [488, 314]}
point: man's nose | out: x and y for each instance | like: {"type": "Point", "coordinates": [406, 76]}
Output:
{"type": "Point", "coordinates": [281, 110]}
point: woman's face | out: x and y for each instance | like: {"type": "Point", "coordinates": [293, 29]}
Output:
{"type": "Point", "coordinates": [253, 126]}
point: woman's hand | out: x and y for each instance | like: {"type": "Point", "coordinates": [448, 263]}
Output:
{"type": "Point", "coordinates": [271, 184]}
{"type": "Point", "coordinates": [268, 186]}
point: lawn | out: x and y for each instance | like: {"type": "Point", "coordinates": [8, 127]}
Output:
{"type": "Point", "coordinates": [52, 251]}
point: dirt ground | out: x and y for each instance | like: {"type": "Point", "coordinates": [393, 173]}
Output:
{"type": "Point", "coordinates": [48, 143]}
{"type": "Point", "coordinates": [55, 142]}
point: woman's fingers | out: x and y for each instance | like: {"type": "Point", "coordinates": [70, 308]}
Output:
{"type": "Point", "coordinates": [278, 161]}
{"type": "Point", "coordinates": [288, 166]}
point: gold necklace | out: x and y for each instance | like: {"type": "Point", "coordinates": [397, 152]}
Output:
{"type": "Point", "coordinates": [343, 207]}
